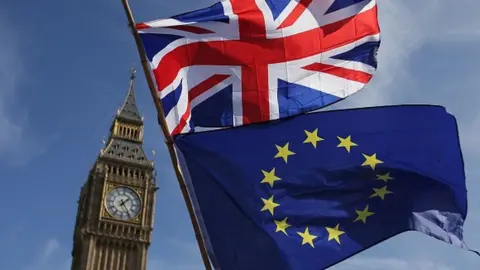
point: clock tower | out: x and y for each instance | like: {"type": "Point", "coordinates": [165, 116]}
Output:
{"type": "Point", "coordinates": [116, 206]}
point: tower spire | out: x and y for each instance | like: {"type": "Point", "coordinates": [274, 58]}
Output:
{"type": "Point", "coordinates": [129, 110]}
{"type": "Point", "coordinates": [133, 71]}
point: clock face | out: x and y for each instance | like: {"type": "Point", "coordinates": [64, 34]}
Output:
{"type": "Point", "coordinates": [123, 203]}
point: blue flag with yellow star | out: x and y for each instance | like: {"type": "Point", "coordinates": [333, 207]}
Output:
{"type": "Point", "coordinates": [310, 191]}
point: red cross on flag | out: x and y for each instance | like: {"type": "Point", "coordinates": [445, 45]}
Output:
{"type": "Point", "coordinates": [240, 62]}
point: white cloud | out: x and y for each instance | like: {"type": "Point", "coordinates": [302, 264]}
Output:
{"type": "Point", "coordinates": [10, 71]}
{"type": "Point", "coordinates": [190, 260]}
{"type": "Point", "coordinates": [50, 256]}
{"type": "Point", "coordinates": [448, 21]}
{"type": "Point", "coordinates": [371, 263]}
{"type": "Point", "coordinates": [400, 36]}
{"type": "Point", "coordinates": [189, 248]}
{"type": "Point", "coordinates": [162, 264]}
{"type": "Point", "coordinates": [18, 142]}
{"type": "Point", "coordinates": [406, 26]}
{"type": "Point", "coordinates": [51, 246]}
{"type": "Point", "coordinates": [471, 135]}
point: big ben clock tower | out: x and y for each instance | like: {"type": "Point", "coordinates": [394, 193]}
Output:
{"type": "Point", "coordinates": [116, 207]}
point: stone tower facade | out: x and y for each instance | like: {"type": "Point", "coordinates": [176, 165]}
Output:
{"type": "Point", "coordinates": [116, 207]}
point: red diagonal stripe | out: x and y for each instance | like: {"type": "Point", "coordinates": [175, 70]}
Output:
{"type": "Point", "coordinates": [295, 14]}
{"type": "Point", "coordinates": [206, 85]}
{"type": "Point", "coordinates": [183, 121]}
{"type": "Point", "coordinates": [194, 93]}
{"type": "Point", "coordinates": [349, 74]}
{"type": "Point", "coordinates": [186, 28]}
{"type": "Point", "coordinates": [191, 29]}
{"type": "Point", "coordinates": [141, 26]}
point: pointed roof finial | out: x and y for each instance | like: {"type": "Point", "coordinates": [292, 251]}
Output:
{"type": "Point", "coordinates": [129, 110]}
{"type": "Point", "coordinates": [133, 71]}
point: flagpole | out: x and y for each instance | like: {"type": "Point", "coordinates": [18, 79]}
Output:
{"type": "Point", "coordinates": [168, 138]}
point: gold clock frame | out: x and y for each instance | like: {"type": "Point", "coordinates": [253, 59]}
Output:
{"type": "Point", "coordinates": [106, 214]}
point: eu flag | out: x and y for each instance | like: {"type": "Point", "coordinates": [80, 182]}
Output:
{"type": "Point", "coordinates": [310, 191]}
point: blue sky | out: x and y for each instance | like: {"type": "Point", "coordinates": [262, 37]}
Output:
{"type": "Point", "coordinates": [64, 68]}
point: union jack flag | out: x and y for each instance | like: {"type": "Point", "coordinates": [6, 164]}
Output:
{"type": "Point", "coordinates": [239, 62]}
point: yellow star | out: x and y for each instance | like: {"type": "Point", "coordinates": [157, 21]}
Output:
{"type": "Point", "coordinates": [269, 205]}
{"type": "Point", "coordinates": [284, 152]}
{"type": "Point", "coordinates": [346, 142]}
{"type": "Point", "coordinates": [307, 238]}
{"type": "Point", "coordinates": [362, 215]}
{"type": "Point", "coordinates": [312, 137]}
{"type": "Point", "coordinates": [371, 161]}
{"type": "Point", "coordinates": [334, 233]}
{"type": "Point", "coordinates": [384, 177]}
{"type": "Point", "coordinates": [270, 177]}
{"type": "Point", "coordinates": [380, 192]}
{"type": "Point", "coordinates": [282, 226]}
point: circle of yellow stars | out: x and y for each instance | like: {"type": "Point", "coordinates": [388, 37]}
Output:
{"type": "Point", "coordinates": [334, 233]}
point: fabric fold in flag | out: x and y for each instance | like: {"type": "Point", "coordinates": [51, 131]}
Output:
{"type": "Point", "coordinates": [259, 60]}
{"type": "Point", "coordinates": [307, 192]}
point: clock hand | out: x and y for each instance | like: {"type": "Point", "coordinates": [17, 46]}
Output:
{"type": "Point", "coordinates": [123, 202]}
{"type": "Point", "coordinates": [126, 209]}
